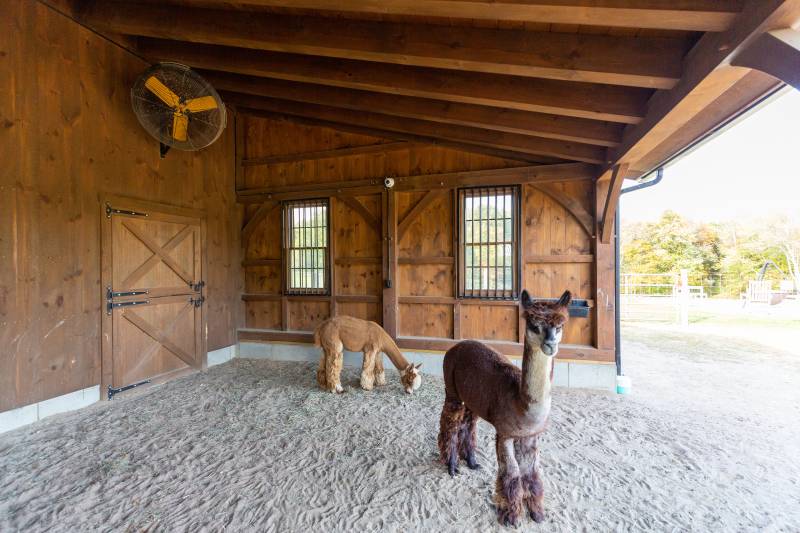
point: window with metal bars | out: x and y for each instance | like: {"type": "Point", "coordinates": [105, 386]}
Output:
{"type": "Point", "coordinates": [305, 246]}
{"type": "Point", "coordinates": [488, 238]}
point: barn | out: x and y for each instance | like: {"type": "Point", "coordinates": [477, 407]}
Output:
{"type": "Point", "coordinates": [362, 142]}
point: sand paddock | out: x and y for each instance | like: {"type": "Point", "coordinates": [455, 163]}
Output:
{"type": "Point", "coordinates": [254, 445]}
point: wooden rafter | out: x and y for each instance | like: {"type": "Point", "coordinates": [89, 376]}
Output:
{"type": "Point", "coordinates": [419, 207]}
{"type": "Point", "coordinates": [325, 154]}
{"type": "Point", "coordinates": [494, 139]}
{"type": "Point", "coordinates": [706, 77]}
{"type": "Point", "coordinates": [776, 53]}
{"type": "Point", "coordinates": [641, 61]}
{"type": "Point", "coordinates": [396, 135]}
{"type": "Point", "coordinates": [478, 116]}
{"type": "Point", "coordinates": [587, 100]}
{"type": "Point", "coordinates": [572, 206]}
{"type": "Point", "coordinates": [612, 201]}
{"type": "Point", "coordinates": [355, 204]}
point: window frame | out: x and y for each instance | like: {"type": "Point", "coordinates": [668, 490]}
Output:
{"type": "Point", "coordinates": [286, 247]}
{"type": "Point", "coordinates": [516, 262]}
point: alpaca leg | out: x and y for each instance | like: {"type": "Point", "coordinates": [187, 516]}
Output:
{"type": "Point", "coordinates": [380, 375]}
{"type": "Point", "coordinates": [527, 451]}
{"type": "Point", "coordinates": [468, 438]}
{"type": "Point", "coordinates": [368, 370]}
{"type": "Point", "coordinates": [333, 369]}
{"type": "Point", "coordinates": [508, 487]}
{"type": "Point", "coordinates": [449, 424]}
{"type": "Point", "coordinates": [321, 380]}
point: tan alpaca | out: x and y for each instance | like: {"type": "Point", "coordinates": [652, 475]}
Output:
{"type": "Point", "coordinates": [347, 332]}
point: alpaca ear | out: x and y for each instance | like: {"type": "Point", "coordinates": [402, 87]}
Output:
{"type": "Point", "coordinates": [418, 366]}
{"type": "Point", "coordinates": [525, 299]}
{"type": "Point", "coordinates": [565, 299]}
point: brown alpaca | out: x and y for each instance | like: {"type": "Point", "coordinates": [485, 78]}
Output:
{"type": "Point", "coordinates": [347, 332]}
{"type": "Point", "coordinates": [481, 383]}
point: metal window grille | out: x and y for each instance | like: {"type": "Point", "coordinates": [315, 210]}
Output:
{"type": "Point", "coordinates": [305, 238]}
{"type": "Point", "coordinates": [488, 242]}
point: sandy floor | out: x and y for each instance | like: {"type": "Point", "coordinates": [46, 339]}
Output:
{"type": "Point", "coordinates": [706, 443]}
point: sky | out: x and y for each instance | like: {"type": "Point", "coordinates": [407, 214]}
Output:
{"type": "Point", "coordinates": [752, 170]}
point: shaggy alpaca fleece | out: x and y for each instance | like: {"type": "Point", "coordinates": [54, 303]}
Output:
{"type": "Point", "coordinates": [255, 445]}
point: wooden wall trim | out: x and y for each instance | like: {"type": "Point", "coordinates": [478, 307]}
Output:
{"type": "Point", "coordinates": [355, 204]}
{"type": "Point", "coordinates": [572, 206]}
{"type": "Point", "coordinates": [419, 207]}
{"type": "Point", "coordinates": [511, 349]}
{"type": "Point", "coordinates": [261, 213]}
{"type": "Point", "coordinates": [425, 182]}
{"type": "Point", "coordinates": [611, 201]}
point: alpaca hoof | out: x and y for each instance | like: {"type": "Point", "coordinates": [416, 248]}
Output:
{"type": "Point", "coordinates": [507, 517]}
{"type": "Point", "coordinates": [452, 470]}
{"type": "Point", "coordinates": [337, 389]}
{"type": "Point", "coordinates": [473, 465]}
{"type": "Point", "coordinates": [380, 379]}
{"type": "Point", "coordinates": [537, 516]}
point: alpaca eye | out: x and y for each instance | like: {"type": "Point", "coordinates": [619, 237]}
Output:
{"type": "Point", "coordinates": [536, 330]}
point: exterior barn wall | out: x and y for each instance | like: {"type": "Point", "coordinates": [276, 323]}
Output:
{"type": "Point", "coordinates": [68, 136]}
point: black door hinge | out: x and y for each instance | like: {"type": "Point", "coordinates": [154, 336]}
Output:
{"type": "Point", "coordinates": [112, 391]}
{"type": "Point", "coordinates": [197, 302]}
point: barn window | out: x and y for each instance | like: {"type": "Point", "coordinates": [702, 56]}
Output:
{"type": "Point", "coordinates": [305, 237]}
{"type": "Point", "coordinates": [488, 238]}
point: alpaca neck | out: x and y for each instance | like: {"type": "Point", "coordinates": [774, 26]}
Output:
{"type": "Point", "coordinates": [393, 352]}
{"type": "Point", "coordinates": [536, 372]}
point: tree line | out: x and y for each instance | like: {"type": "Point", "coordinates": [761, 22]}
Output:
{"type": "Point", "coordinates": [720, 256]}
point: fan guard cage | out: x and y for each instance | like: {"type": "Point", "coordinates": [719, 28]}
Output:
{"type": "Point", "coordinates": [157, 117]}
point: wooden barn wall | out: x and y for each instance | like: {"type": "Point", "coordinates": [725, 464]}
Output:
{"type": "Point", "coordinates": [68, 136]}
{"type": "Point", "coordinates": [557, 253]}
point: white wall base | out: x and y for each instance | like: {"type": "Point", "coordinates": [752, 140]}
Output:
{"type": "Point", "coordinates": [60, 404]}
{"type": "Point", "coordinates": [566, 373]}
{"type": "Point", "coordinates": [223, 355]}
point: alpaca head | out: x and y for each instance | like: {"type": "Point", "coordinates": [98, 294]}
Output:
{"type": "Point", "coordinates": [544, 321]}
{"type": "Point", "coordinates": [410, 378]}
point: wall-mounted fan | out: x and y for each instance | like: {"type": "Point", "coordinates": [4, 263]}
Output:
{"type": "Point", "coordinates": [178, 107]}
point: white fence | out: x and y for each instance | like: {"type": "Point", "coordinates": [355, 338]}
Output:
{"type": "Point", "coordinates": [657, 297]}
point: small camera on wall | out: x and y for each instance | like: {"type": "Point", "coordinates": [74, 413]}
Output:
{"type": "Point", "coordinates": [388, 182]}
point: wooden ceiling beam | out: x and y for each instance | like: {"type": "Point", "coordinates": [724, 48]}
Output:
{"type": "Point", "coordinates": [707, 77]}
{"type": "Point", "coordinates": [653, 62]}
{"type": "Point", "coordinates": [494, 139]}
{"type": "Point", "coordinates": [509, 120]}
{"type": "Point", "coordinates": [586, 100]}
{"type": "Point", "coordinates": [690, 15]}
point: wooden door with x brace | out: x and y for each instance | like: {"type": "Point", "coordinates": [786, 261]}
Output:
{"type": "Point", "coordinates": [153, 324]}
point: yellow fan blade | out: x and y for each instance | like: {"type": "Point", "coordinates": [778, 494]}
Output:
{"type": "Point", "coordinates": [180, 123]}
{"type": "Point", "coordinates": [162, 91]}
{"type": "Point", "coordinates": [204, 103]}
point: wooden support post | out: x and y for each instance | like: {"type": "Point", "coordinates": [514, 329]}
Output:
{"type": "Point", "coordinates": [390, 263]}
{"type": "Point", "coordinates": [332, 226]}
{"type": "Point", "coordinates": [611, 201]}
{"type": "Point", "coordinates": [776, 53]}
{"type": "Point", "coordinates": [604, 280]}
{"type": "Point", "coordinates": [239, 147]}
